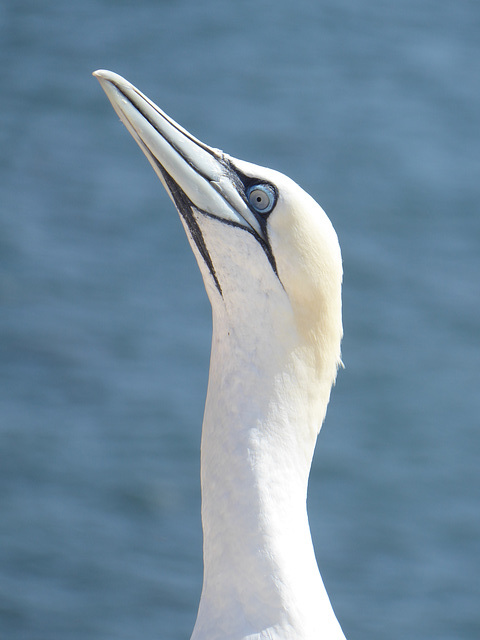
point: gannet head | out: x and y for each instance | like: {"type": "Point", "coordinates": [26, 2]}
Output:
{"type": "Point", "coordinates": [267, 251]}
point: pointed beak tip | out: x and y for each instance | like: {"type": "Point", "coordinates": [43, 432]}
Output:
{"type": "Point", "coordinates": [100, 74]}
{"type": "Point", "coordinates": [104, 75]}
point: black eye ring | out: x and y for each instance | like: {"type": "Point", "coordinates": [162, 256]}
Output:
{"type": "Point", "coordinates": [261, 198]}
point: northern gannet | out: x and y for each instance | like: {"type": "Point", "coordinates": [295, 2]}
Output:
{"type": "Point", "coordinates": [272, 269]}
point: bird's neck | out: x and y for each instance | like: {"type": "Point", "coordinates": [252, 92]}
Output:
{"type": "Point", "coordinates": [261, 421]}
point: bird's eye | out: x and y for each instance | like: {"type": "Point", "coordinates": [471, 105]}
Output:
{"type": "Point", "coordinates": [261, 197]}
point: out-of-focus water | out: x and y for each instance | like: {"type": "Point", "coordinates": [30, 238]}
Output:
{"type": "Point", "coordinates": [374, 108]}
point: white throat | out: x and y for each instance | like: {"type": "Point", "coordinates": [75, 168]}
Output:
{"type": "Point", "coordinates": [263, 411]}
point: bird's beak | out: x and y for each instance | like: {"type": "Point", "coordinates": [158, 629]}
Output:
{"type": "Point", "coordinates": [193, 173]}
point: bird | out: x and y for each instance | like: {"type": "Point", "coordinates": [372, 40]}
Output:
{"type": "Point", "coordinates": [271, 264]}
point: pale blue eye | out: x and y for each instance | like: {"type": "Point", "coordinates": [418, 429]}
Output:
{"type": "Point", "coordinates": [261, 197]}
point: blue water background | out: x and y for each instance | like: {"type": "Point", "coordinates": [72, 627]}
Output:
{"type": "Point", "coordinates": [374, 108]}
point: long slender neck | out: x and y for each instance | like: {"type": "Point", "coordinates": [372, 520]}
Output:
{"type": "Point", "coordinates": [261, 421]}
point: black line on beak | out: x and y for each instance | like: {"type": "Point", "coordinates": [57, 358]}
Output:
{"type": "Point", "coordinates": [187, 135]}
{"type": "Point", "coordinates": [185, 207]}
